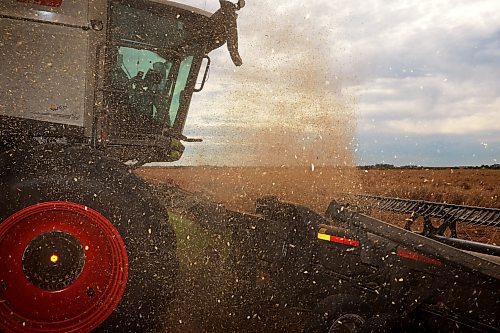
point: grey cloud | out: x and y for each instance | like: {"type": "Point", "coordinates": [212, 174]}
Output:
{"type": "Point", "coordinates": [422, 65]}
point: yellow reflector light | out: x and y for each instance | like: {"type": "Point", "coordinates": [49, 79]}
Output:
{"type": "Point", "coordinates": [54, 258]}
{"type": "Point", "coordinates": [324, 237]}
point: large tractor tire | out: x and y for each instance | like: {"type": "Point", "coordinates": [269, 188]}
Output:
{"type": "Point", "coordinates": [84, 246]}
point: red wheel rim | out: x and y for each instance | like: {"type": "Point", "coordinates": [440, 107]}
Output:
{"type": "Point", "coordinates": [89, 299]}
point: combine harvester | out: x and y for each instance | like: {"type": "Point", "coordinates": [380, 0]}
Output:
{"type": "Point", "coordinates": [447, 216]}
{"type": "Point", "coordinates": [84, 87]}
{"type": "Point", "coordinates": [84, 244]}
{"type": "Point", "coordinates": [445, 283]}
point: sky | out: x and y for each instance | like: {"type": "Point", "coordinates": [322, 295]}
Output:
{"type": "Point", "coordinates": [353, 82]}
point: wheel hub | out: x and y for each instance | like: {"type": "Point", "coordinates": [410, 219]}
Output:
{"type": "Point", "coordinates": [53, 260]}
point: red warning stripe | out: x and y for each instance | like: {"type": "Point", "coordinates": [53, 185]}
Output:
{"type": "Point", "coordinates": [337, 239]}
{"type": "Point", "coordinates": [403, 253]}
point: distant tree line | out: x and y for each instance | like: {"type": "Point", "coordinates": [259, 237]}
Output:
{"type": "Point", "coordinates": [419, 167]}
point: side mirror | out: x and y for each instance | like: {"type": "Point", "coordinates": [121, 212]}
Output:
{"type": "Point", "coordinates": [206, 60]}
{"type": "Point", "coordinates": [232, 29]}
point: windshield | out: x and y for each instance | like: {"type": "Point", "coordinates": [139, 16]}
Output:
{"type": "Point", "coordinates": [148, 69]}
{"type": "Point", "coordinates": [144, 77]}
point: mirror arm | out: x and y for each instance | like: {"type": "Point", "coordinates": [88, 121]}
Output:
{"type": "Point", "coordinates": [184, 138]}
{"type": "Point", "coordinates": [205, 75]}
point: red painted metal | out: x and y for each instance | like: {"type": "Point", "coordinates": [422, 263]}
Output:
{"type": "Point", "coordinates": [404, 253]}
{"type": "Point", "coordinates": [343, 240]}
{"type": "Point", "coordinates": [84, 304]}
{"type": "Point", "coordinates": [50, 3]}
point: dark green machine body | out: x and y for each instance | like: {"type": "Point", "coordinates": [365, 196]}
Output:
{"type": "Point", "coordinates": [298, 270]}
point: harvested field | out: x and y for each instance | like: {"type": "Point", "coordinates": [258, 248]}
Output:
{"type": "Point", "coordinates": [474, 187]}
{"type": "Point", "coordinates": [238, 187]}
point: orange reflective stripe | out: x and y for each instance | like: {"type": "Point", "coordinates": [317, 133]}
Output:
{"type": "Point", "coordinates": [345, 241]}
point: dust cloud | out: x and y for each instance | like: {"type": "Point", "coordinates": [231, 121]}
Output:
{"type": "Point", "coordinates": [281, 124]}
{"type": "Point", "coordinates": [285, 106]}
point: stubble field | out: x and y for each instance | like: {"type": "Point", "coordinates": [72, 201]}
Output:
{"type": "Point", "coordinates": [238, 187]}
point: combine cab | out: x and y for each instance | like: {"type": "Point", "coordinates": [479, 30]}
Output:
{"type": "Point", "coordinates": [84, 87]}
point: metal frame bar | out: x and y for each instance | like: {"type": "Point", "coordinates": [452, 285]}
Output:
{"type": "Point", "coordinates": [449, 214]}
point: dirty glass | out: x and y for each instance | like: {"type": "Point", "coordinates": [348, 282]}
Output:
{"type": "Point", "coordinates": [145, 77]}
{"type": "Point", "coordinates": [180, 84]}
{"type": "Point", "coordinates": [146, 28]}
{"type": "Point", "coordinates": [143, 74]}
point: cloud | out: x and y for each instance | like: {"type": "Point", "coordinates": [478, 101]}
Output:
{"type": "Point", "coordinates": [428, 105]}
{"type": "Point", "coordinates": [423, 71]}
{"type": "Point", "coordinates": [457, 126]}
